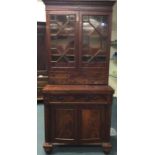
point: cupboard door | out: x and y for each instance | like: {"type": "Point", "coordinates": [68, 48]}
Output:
{"type": "Point", "coordinates": [95, 39]}
{"type": "Point", "coordinates": [62, 44]}
{"type": "Point", "coordinates": [90, 124]}
{"type": "Point", "coordinates": [64, 124]}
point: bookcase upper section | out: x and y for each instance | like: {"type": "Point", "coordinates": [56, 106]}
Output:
{"type": "Point", "coordinates": [78, 41]}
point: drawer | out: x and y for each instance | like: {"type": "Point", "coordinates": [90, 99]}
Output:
{"type": "Point", "coordinates": [77, 98]}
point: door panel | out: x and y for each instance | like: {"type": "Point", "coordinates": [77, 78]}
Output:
{"type": "Point", "coordinates": [94, 39]}
{"type": "Point", "coordinates": [65, 124]}
{"type": "Point", "coordinates": [78, 47]}
{"type": "Point", "coordinates": [90, 124]}
{"type": "Point", "coordinates": [63, 38]}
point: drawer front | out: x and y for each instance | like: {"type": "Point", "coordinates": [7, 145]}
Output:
{"type": "Point", "coordinates": [78, 98]}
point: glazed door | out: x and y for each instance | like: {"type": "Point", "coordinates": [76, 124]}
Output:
{"type": "Point", "coordinates": [62, 38]}
{"type": "Point", "coordinates": [94, 42]}
{"type": "Point", "coordinates": [78, 47]}
{"type": "Point", "coordinates": [95, 39]}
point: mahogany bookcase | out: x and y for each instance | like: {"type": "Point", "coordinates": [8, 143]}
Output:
{"type": "Point", "coordinates": [77, 98]}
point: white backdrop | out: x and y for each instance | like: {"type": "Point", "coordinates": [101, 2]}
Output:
{"type": "Point", "coordinates": [41, 11]}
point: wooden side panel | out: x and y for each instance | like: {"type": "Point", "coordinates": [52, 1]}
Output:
{"type": "Point", "coordinates": [64, 125]}
{"type": "Point", "coordinates": [42, 77]}
{"type": "Point", "coordinates": [90, 124]}
{"type": "Point", "coordinates": [47, 115]}
{"type": "Point", "coordinates": [41, 46]}
{"type": "Point", "coordinates": [107, 117]}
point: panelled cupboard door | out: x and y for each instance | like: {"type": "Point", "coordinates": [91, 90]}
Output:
{"type": "Point", "coordinates": [75, 124]}
{"type": "Point", "coordinates": [64, 124]}
{"type": "Point", "coordinates": [91, 125]}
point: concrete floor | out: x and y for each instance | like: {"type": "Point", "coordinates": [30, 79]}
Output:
{"type": "Point", "coordinates": [72, 150]}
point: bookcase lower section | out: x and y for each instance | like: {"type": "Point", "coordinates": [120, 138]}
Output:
{"type": "Point", "coordinates": [77, 122]}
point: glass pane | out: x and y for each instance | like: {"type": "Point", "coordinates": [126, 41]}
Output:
{"type": "Point", "coordinates": [62, 28]}
{"type": "Point", "coordinates": [95, 31]}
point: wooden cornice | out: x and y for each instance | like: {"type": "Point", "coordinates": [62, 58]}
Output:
{"type": "Point", "coordinates": [80, 2]}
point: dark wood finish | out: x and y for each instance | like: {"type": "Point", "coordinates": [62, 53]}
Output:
{"type": "Point", "coordinates": [78, 89]}
{"type": "Point", "coordinates": [48, 147]}
{"type": "Point", "coordinates": [64, 123]}
{"type": "Point", "coordinates": [79, 76]}
{"type": "Point", "coordinates": [77, 98]}
{"type": "Point", "coordinates": [106, 147]}
{"type": "Point", "coordinates": [41, 47]}
{"type": "Point", "coordinates": [65, 72]}
{"type": "Point", "coordinates": [90, 121]}
{"type": "Point", "coordinates": [42, 74]}
{"type": "Point", "coordinates": [79, 2]}
{"type": "Point", "coordinates": [78, 114]}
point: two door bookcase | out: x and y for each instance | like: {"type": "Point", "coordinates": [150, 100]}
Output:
{"type": "Point", "coordinates": [77, 98]}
